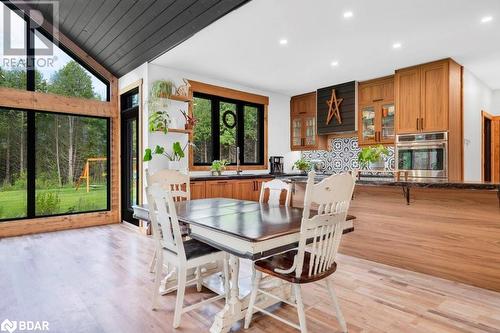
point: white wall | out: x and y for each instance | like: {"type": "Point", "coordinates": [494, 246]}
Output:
{"type": "Point", "coordinates": [477, 97]}
{"type": "Point", "coordinates": [278, 113]}
{"type": "Point", "coordinates": [495, 103]}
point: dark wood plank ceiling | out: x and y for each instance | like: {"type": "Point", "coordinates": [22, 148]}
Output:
{"type": "Point", "coordinates": [123, 34]}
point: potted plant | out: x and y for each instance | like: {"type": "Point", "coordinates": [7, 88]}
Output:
{"type": "Point", "coordinates": [159, 121]}
{"type": "Point", "coordinates": [159, 94]}
{"type": "Point", "coordinates": [302, 165]}
{"type": "Point", "coordinates": [190, 120]}
{"type": "Point", "coordinates": [174, 158]}
{"type": "Point", "coordinates": [372, 158]}
{"type": "Point", "coordinates": [218, 166]}
{"type": "Point", "coordinates": [161, 89]}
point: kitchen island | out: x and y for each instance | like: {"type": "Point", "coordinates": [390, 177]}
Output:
{"type": "Point", "coordinates": [446, 229]}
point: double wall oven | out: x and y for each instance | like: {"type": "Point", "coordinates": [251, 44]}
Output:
{"type": "Point", "coordinates": [423, 155]}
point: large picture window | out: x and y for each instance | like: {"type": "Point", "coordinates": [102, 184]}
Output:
{"type": "Point", "coordinates": [52, 164]}
{"type": "Point", "coordinates": [32, 61]}
{"type": "Point", "coordinates": [225, 124]}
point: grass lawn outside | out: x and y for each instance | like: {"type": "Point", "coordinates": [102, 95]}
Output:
{"type": "Point", "coordinates": [13, 203]}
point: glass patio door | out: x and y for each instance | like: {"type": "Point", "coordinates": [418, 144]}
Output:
{"type": "Point", "coordinates": [130, 157]}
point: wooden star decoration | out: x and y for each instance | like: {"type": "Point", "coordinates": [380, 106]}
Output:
{"type": "Point", "coordinates": [334, 108]}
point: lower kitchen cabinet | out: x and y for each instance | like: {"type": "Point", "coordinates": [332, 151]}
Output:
{"type": "Point", "coordinates": [245, 189]}
{"type": "Point", "coordinates": [197, 190]}
{"type": "Point", "coordinates": [219, 189]}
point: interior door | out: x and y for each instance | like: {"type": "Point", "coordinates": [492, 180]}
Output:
{"type": "Point", "coordinates": [130, 154]}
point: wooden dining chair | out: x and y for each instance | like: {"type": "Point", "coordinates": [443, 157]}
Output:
{"type": "Point", "coordinates": [314, 259]}
{"type": "Point", "coordinates": [275, 187]}
{"type": "Point", "coordinates": [177, 252]}
{"type": "Point", "coordinates": [175, 181]}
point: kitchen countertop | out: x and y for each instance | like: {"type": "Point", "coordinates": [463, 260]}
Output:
{"type": "Point", "coordinates": [364, 181]}
{"type": "Point", "coordinates": [384, 181]}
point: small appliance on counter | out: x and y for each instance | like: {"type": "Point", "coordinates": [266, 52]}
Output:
{"type": "Point", "coordinates": [423, 155]}
{"type": "Point", "coordinates": [276, 164]}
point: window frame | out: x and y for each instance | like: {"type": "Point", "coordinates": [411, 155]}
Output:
{"type": "Point", "coordinates": [240, 132]}
{"type": "Point", "coordinates": [31, 165]}
{"type": "Point", "coordinates": [31, 55]}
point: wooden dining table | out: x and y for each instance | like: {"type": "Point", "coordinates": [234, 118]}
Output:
{"type": "Point", "coordinates": [244, 229]}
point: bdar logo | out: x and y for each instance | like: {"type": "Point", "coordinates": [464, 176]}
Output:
{"type": "Point", "coordinates": [8, 326]}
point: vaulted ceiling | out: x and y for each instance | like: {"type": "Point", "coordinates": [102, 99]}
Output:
{"type": "Point", "coordinates": [123, 34]}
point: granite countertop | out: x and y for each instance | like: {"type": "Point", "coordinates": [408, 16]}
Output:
{"type": "Point", "coordinates": [364, 181]}
{"type": "Point", "coordinates": [385, 181]}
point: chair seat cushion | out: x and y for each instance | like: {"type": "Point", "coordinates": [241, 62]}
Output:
{"type": "Point", "coordinates": [284, 261]}
{"type": "Point", "coordinates": [195, 249]}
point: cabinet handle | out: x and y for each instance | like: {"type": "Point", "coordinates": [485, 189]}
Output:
{"type": "Point", "coordinates": [421, 123]}
{"type": "Point", "coordinates": [378, 100]}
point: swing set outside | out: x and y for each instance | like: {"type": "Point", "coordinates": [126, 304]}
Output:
{"type": "Point", "coordinates": [86, 172]}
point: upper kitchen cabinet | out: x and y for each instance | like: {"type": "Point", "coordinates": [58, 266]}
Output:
{"type": "Point", "coordinates": [376, 111]}
{"type": "Point", "coordinates": [303, 131]}
{"type": "Point", "coordinates": [428, 97]}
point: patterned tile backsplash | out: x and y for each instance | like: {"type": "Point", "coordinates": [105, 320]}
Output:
{"type": "Point", "coordinates": [344, 156]}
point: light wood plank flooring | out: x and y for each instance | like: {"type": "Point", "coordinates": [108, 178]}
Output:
{"type": "Point", "coordinates": [97, 280]}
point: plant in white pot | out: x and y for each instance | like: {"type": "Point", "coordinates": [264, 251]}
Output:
{"type": "Point", "coordinates": [174, 158]}
{"type": "Point", "coordinates": [372, 158]}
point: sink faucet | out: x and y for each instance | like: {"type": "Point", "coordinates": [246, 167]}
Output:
{"type": "Point", "coordinates": [238, 170]}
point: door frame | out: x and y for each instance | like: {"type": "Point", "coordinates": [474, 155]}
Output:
{"type": "Point", "coordinates": [495, 141]}
{"type": "Point", "coordinates": [139, 85]}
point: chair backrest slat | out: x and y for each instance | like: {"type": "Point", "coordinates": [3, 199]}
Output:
{"type": "Point", "coordinates": [275, 187]}
{"type": "Point", "coordinates": [164, 216]}
{"type": "Point", "coordinates": [321, 230]}
{"type": "Point", "coordinates": [172, 180]}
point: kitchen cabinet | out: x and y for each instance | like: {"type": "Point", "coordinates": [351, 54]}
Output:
{"type": "Point", "coordinates": [303, 131]}
{"type": "Point", "coordinates": [429, 99]}
{"type": "Point", "coordinates": [248, 189]}
{"type": "Point", "coordinates": [243, 189]}
{"type": "Point", "coordinates": [376, 111]}
{"type": "Point", "coordinates": [197, 190]}
{"type": "Point", "coordinates": [423, 96]}
{"type": "Point", "coordinates": [219, 189]}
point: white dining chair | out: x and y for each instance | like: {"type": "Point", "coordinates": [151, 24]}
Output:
{"type": "Point", "coordinates": [275, 187]}
{"type": "Point", "coordinates": [177, 252]}
{"type": "Point", "coordinates": [170, 180]}
{"type": "Point", "coordinates": [314, 259]}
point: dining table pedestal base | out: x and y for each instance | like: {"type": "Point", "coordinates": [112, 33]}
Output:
{"type": "Point", "coordinates": [236, 307]}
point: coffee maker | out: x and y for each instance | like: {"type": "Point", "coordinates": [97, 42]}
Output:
{"type": "Point", "coordinates": [276, 163]}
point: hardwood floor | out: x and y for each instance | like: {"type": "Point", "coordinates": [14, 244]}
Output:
{"type": "Point", "coordinates": [97, 280]}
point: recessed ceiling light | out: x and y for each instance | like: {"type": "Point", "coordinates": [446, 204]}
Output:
{"type": "Point", "coordinates": [397, 45]}
{"type": "Point", "coordinates": [283, 41]}
{"type": "Point", "coordinates": [334, 63]}
{"type": "Point", "coordinates": [348, 14]}
{"type": "Point", "coordinates": [487, 19]}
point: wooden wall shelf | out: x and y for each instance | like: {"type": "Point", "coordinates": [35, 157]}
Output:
{"type": "Point", "coordinates": [177, 130]}
{"type": "Point", "coordinates": [180, 98]}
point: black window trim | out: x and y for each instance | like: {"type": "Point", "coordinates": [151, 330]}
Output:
{"type": "Point", "coordinates": [240, 106]}
{"type": "Point", "coordinates": [31, 165]}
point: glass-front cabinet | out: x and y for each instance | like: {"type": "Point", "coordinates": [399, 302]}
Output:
{"type": "Point", "coordinates": [303, 124]}
{"type": "Point", "coordinates": [310, 130]}
{"type": "Point", "coordinates": [368, 124]}
{"type": "Point", "coordinates": [376, 115]}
